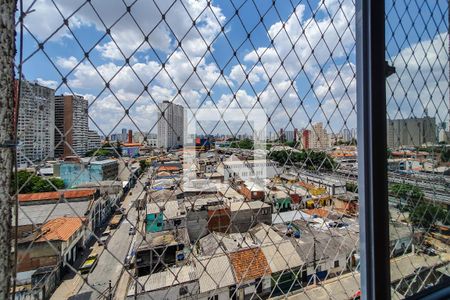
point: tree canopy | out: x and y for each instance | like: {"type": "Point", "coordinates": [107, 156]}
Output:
{"type": "Point", "coordinates": [31, 183]}
{"type": "Point", "coordinates": [406, 191]}
{"type": "Point", "coordinates": [426, 215]}
{"type": "Point", "coordinates": [311, 160]}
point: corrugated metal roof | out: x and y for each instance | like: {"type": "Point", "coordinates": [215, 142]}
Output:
{"type": "Point", "coordinates": [38, 214]}
{"type": "Point", "coordinates": [248, 205]}
{"type": "Point", "coordinates": [168, 278]}
{"type": "Point", "coordinates": [281, 256]}
{"type": "Point", "coordinates": [264, 234]}
{"type": "Point", "coordinates": [214, 272]}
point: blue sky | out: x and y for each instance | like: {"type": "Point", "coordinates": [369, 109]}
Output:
{"type": "Point", "coordinates": [314, 86]}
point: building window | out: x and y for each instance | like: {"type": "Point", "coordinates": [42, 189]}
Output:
{"type": "Point", "coordinates": [336, 263]}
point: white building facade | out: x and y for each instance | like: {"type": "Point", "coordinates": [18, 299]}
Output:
{"type": "Point", "coordinates": [170, 125]}
{"type": "Point", "coordinates": [36, 121]}
{"type": "Point", "coordinates": [319, 138]}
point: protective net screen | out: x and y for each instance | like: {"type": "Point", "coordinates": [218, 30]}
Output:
{"type": "Point", "coordinates": [203, 149]}
{"type": "Point", "coordinates": [417, 45]}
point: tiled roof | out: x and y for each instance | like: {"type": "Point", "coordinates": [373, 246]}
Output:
{"type": "Point", "coordinates": [323, 213]}
{"type": "Point", "coordinates": [69, 194]}
{"type": "Point", "coordinates": [249, 264]}
{"type": "Point", "coordinates": [60, 229]}
{"type": "Point", "coordinates": [168, 168]}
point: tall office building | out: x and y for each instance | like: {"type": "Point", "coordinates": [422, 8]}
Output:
{"type": "Point", "coordinates": [305, 139]}
{"type": "Point", "coordinates": [124, 136]}
{"type": "Point", "coordinates": [289, 136]}
{"type": "Point", "coordinates": [94, 140]}
{"type": "Point", "coordinates": [347, 135]}
{"type": "Point", "coordinates": [71, 125]}
{"type": "Point", "coordinates": [36, 119]}
{"type": "Point", "coordinates": [319, 138]}
{"type": "Point", "coordinates": [411, 132]}
{"type": "Point", "coordinates": [170, 125]}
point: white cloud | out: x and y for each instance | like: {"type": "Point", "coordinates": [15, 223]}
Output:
{"type": "Point", "coordinates": [67, 63]}
{"type": "Point", "coordinates": [421, 80]}
{"type": "Point", "coordinates": [48, 83]}
{"type": "Point", "coordinates": [127, 82]}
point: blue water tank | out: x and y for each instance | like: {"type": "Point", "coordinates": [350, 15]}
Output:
{"type": "Point", "coordinates": [297, 234]}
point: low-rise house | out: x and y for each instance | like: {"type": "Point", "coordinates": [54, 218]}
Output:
{"type": "Point", "coordinates": [285, 264]}
{"type": "Point", "coordinates": [215, 277]}
{"type": "Point", "coordinates": [172, 283]}
{"type": "Point", "coordinates": [347, 203]}
{"type": "Point", "coordinates": [198, 214]}
{"type": "Point", "coordinates": [252, 191]}
{"type": "Point", "coordinates": [42, 255]}
{"type": "Point", "coordinates": [165, 216]}
{"type": "Point", "coordinates": [219, 218]}
{"type": "Point", "coordinates": [401, 238]}
{"type": "Point", "coordinates": [160, 250]}
{"type": "Point", "coordinates": [332, 186]}
{"type": "Point", "coordinates": [74, 170]}
{"type": "Point", "coordinates": [326, 252]}
{"type": "Point", "coordinates": [252, 272]}
{"type": "Point", "coordinates": [280, 200]}
{"type": "Point", "coordinates": [196, 187]}
{"type": "Point", "coordinates": [87, 203]}
{"type": "Point", "coordinates": [246, 214]}
{"type": "Point", "coordinates": [246, 169]}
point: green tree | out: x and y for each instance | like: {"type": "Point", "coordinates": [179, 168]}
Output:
{"type": "Point", "coordinates": [311, 160]}
{"type": "Point", "coordinates": [445, 155]}
{"type": "Point", "coordinates": [28, 182]}
{"type": "Point", "coordinates": [100, 152]}
{"type": "Point", "coordinates": [351, 187]}
{"type": "Point", "coordinates": [143, 164]}
{"type": "Point", "coordinates": [406, 191]}
{"type": "Point", "coordinates": [242, 144]}
{"type": "Point", "coordinates": [426, 215]}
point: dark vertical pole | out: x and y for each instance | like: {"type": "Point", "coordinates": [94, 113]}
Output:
{"type": "Point", "coordinates": [372, 154]}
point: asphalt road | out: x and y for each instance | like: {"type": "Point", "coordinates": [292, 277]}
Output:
{"type": "Point", "coordinates": [110, 263]}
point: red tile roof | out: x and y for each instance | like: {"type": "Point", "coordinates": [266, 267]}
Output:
{"type": "Point", "coordinates": [249, 264]}
{"type": "Point", "coordinates": [168, 168]}
{"type": "Point", "coordinates": [69, 194]}
{"type": "Point", "coordinates": [323, 213]}
{"type": "Point", "coordinates": [60, 229]}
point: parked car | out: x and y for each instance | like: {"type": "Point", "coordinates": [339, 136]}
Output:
{"type": "Point", "coordinates": [104, 237]}
{"type": "Point", "coordinates": [89, 264]}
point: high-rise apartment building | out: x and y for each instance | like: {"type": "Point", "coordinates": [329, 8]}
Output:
{"type": "Point", "coordinates": [347, 135]}
{"type": "Point", "coordinates": [170, 125]}
{"type": "Point", "coordinates": [411, 132]}
{"type": "Point", "coordinates": [94, 140]}
{"type": "Point", "coordinates": [289, 136]}
{"type": "Point", "coordinates": [319, 138]}
{"type": "Point", "coordinates": [124, 135]}
{"type": "Point", "coordinates": [71, 125]}
{"type": "Point", "coordinates": [36, 119]}
{"type": "Point", "coordinates": [305, 139]}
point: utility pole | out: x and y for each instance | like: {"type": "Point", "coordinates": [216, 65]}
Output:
{"type": "Point", "coordinates": [110, 290]}
{"type": "Point", "coordinates": [314, 260]}
{"type": "Point", "coordinates": [7, 140]}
